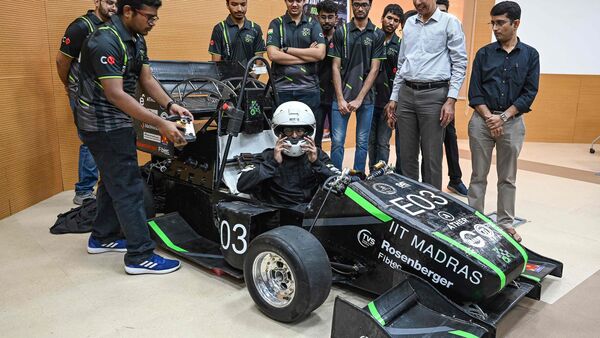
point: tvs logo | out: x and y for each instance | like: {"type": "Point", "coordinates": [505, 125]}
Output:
{"type": "Point", "coordinates": [385, 189]}
{"type": "Point", "coordinates": [66, 40]}
{"type": "Point", "coordinates": [212, 42]}
{"type": "Point", "coordinates": [110, 60]}
{"type": "Point", "coordinates": [365, 239]}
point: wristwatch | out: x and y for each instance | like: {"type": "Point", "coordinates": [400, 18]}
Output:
{"type": "Point", "coordinates": [284, 49]}
{"type": "Point", "coordinates": [504, 117]}
{"type": "Point", "coordinates": [168, 107]}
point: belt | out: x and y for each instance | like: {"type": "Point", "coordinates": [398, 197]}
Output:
{"type": "Point", "coordinates": [426, 85]}
{"type": "Point", "coordinates": [498, 112]}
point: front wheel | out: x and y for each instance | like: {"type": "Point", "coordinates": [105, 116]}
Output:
{"type": "Point", "coordinates": [287, 273]}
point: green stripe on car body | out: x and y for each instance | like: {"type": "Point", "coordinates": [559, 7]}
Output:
{"type": "Point", "coordinates": [368, 206]}
{"type": "Point", "coordinates": [477, 256]}
{"type": "Point", "coordinates": [164, 237]}
{"type": "Point", "coordinates": [507, 236]}
{"type": "Point", "coordinates": [462, 333]}
{"type": "Point", "coordinates": [375, 313]}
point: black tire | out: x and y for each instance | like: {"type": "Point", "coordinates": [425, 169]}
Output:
{"type": "Point", "coordinates": [309, 266]}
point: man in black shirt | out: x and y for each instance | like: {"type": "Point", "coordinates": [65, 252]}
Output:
{"type": "Point", "coordinates": [114, 60]}
{"type": "Point", "coordinates": [357, 52]}
{"type": "Point", "coordinates": [327, 15]}
{"type": "Point", "coordinates": [295, 45]}
{"type": "Point", "coordinates": [379, 139]}
{"type": "Point", "coordinates": [236, 38]}
{"type": "Point", "coordinates": [67, 66]}
{"type": "Point", "coordinates": [504, 83]}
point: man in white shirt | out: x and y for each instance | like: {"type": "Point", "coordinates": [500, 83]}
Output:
{"type": "Point", "coordinates": [432, 63]}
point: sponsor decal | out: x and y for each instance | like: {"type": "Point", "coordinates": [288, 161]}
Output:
{"type": "Point", "coordinates": [110, 60]}
{"type": "Point", "coordinates": [472, 239]}
{"type": "Point", "coordinates": [306, 31]}
{"type": "Point", "coordinates": [148, 147]}
{"type": "Point", "coordinates": [365, 239]}
{"type": "Point", "coordinates": [331, 45]}
{"type": "Point", "coordinates": [148, 126]}
{"type": "Point", "coordinates": [212, 42]}
{"type": "Point", "coordinates": [367, 41]}
{"type": "Point", "coordinates": [385, 189]}
{"type": "Point", "coordinates": [142, 99]}
{"type": "Point", "coordinates": [394, 70]}
{"type": "Point", "coordinates": [151, 137]}
{"type": "Point", "coordinates": [534, 267]}
{"type": "Point", "coordinates": [270, 31]}
{"type": "Point", "coordinates": [321, 35]}
{"type": "Point", "coordinates": [66, 40]}
{"type": "Point", "coordinates": [446, 216]}
{"type": "Point", "coordinates": [249, 38]}
{"type": "Point", "coordinates": [164, 150]}
{"type": "Point", "coordinates": [435, 256]}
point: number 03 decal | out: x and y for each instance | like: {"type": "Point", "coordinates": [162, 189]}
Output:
{"type": "Point", "coordinates": [240, 244]}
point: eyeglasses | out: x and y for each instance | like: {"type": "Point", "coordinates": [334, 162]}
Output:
{"type": "Point", "coordinates": [151, 18]}
{"type": "Point", "coordinates": [289, 131]}
{"type": "Point", "coordinates": [498, 23]}
{"type": "Point", "coordinates": [361, 4]}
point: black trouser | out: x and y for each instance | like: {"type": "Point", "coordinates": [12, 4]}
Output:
{"type": "Point", "coordinates": [451, 146]}
{"type": "Point", "coordinates": [120, 193]}
{"type": "Point", "coordinates": [322, 113]}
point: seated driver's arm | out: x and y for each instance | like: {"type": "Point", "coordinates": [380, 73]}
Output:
{"type": "Point", "coordinates": [323, 167]}
{"type": "Point", "coordinates": [253, 176]}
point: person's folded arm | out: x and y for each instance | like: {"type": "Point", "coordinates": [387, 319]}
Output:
{"type": "Point", "coordinates": [277, 56]}
{"type": "Point", "coordinates": [311, 54]}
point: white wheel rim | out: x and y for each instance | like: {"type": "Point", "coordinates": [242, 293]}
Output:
{"type": "Point", "coordinates": [274, 280]}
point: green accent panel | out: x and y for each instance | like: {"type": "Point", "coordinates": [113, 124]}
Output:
{"type": "Point", "coordinates": [164, 237]}
{"type": "Point", "coordinates": [84, 103]}
{"type": "Point", "coordinates": [461, 333]}
{"type": "Point", "coordinates": [303, 69]}
{"type": "Point", "coordinates": [367, 205]}
{"type": "Point", "coordinates": [349, 86]}
{"type": "Point", "coordinates": [477, 256]}
{"type": "Point", "coordinates": [375, 313]}
{"type": "Point", "coordinates": [289, 78]}
{"type": "Point", "coordinates": [507, 236]}
{"type": "Point", "coordinates": [110, 77]}
{"type": "Point", "coordinates": [533, 278]}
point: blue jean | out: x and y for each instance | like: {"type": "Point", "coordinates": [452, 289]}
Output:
{"type": "Point", "coordinates": [120, 193]}
{"type": "Point", "coordinates": [339, 125]}
{"type": "Point", "coordinates": [88, 172]}
{"type": "Point", "coordinates": [311, 97]}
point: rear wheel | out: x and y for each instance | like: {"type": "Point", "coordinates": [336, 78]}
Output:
{"type": "Point", "coordinates": [287, 273]}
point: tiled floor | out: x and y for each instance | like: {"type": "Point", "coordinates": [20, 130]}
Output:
{"type": "Point", "coordinates": [51, 287]}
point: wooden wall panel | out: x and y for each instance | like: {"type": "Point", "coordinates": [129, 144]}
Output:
{"type": "Point", "coordinates": [587, 123]}
{"type": "Point", "coordinates": [30, 170]}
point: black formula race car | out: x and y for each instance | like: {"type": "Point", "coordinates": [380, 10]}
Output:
{"type": "Point", "coordinates": [435, 266]}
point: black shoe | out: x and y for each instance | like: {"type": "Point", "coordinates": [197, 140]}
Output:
{"type": "Point", "coordinates": [458, 188]}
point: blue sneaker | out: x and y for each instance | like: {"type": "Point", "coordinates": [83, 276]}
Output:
{"type": "Point", "coordinates": [95, 246]}
{"type": "Point", "coordinates": [155, 264]}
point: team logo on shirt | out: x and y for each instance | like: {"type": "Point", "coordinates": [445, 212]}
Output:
{"type": "Point", "coordinates": [306, 31]}
{"type": "Point", "coordinates": [249, 38]}
{"type": "Point", "coordinates": [107, 60]}
{"type": "Point", "coordinates": [368, 41]}
{"type": "Point", "coordinates": [66, 40]}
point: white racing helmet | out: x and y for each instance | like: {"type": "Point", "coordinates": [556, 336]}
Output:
{"type": "Point", "coordinates": [294, 114]}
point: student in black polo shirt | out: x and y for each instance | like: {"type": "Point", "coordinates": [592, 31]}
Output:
{"type": "Point", "coordinates": [67, 66]}
{"type": "Point", "coordinates": [327, 15]}
{"type": "Point", "coordinates": [379, 139]}
{"type": "Point", "coordinates": [295, 44]}
{"type": "Point", "coordinates": [357, 51]}
{"type": "Point", "coordinates": [114, 59]}
{"type": "Point", "coordinates": [236, 38]}
{"type": "Point", "coordinates": [504, 83]}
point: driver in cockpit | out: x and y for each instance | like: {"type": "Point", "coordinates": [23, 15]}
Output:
{"type": "Point", "coordinates": [290, 174]}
